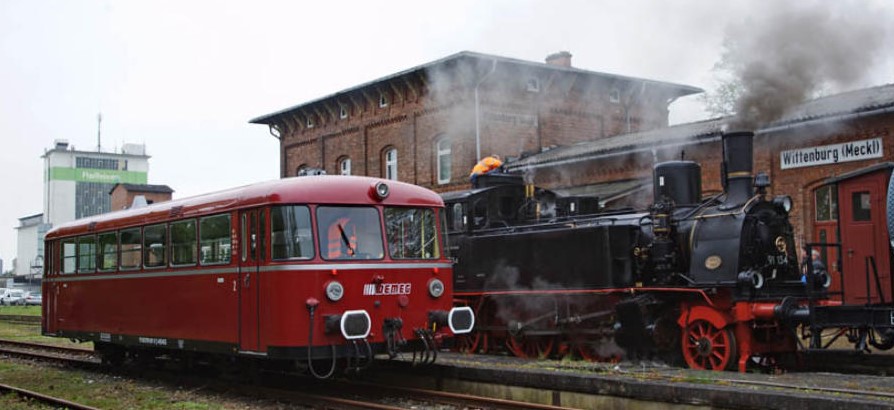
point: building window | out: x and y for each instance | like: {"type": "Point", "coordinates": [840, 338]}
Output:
{"type": "Point", "coordinates": [827, 203]}
{"type": "Point", "coordinates": [533, 85]}
{"type": "Point", "coordinates": [391, 163]}
{"type": "Point", "coordinates": [309, 122]}
{"type": "Point", "coordinates": [342, 111]}
{"type": "Point", "coordinates": [444, 160]}
{"type": "Point", "coordinates": [614, 96]}
{"type": "Point", "coordinates": [344, 166]}
{"type": "Point", "coordinates": [383, 100]}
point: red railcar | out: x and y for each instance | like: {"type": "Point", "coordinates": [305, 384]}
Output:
{"type": "Point", "coordinates": [322, 267]}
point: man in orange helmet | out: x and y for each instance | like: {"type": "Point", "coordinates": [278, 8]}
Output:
{"type": "Point", "coordinates": [486, 165]}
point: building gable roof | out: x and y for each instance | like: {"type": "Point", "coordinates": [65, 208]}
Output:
{"type": "Point", "coordinates": [679, 90]}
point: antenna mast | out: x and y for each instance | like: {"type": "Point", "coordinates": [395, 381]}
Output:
{"type": "Point", "coordinates": [99, 132]}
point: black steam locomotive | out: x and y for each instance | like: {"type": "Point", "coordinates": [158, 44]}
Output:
{"type": "Point", "coordinates": [715, 282]}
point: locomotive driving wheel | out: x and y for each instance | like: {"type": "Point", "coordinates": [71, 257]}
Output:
{"type": "Point", "coordinates": [706, 347]}
{"type": "Point", "coordinates": [530, 347]}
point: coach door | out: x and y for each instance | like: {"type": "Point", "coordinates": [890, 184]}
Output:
{"type": "Point", "coordinates": [249, 261]}
{"type": "Point", "coordinates": [863, 225]}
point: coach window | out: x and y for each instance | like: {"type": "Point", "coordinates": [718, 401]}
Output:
{"type": "Point", "coordinates": [108, 251]}
{"type": "Point", "coordinates": [214, 243]}
{"type": "Point", "coordinates": [349, 233]}
{"type": "Point", "coordinates": [87, 254]}
{"type": "Point", "coordinates": [154, 246]}
{"type": "Point", "coordinates": [291, 236]}
{"type": "Point", "coordinates": [69, 256]}
{"type": "Point", "coordinates": [131, 248]}
{"type": "Point", "coordinates": [411, 233]}
{"type": "Point", "coordinates": [183, 243]}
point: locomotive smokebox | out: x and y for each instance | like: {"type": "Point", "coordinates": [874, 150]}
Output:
{"type": "Point", "coordinates": [737, 167]}
{"type": "Point", "coordinates": [680, 181]}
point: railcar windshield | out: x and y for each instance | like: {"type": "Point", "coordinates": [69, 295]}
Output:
{"type": "Point", "coordinates": [291, 233]}
{"type": "Point", "coordinates": [353, 233]}
{"type": "Point", "coordinates": [411, 233]}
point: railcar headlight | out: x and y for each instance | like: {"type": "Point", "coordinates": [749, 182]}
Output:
{"type": "Point", "coordinates": [783, 201]}
{"type": "Point", "coordinates": [435, 288]}
{"type": "Point", "coordinates": [335, 291]}
{"type": "Point", "coordinates": [382, 190]}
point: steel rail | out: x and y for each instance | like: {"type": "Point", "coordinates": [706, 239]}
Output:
{"type": "Point", "coordinates": [43, 398]}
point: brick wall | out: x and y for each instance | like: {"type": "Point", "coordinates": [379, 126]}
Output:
{"type": "Point", "coordinates": [569, 108]}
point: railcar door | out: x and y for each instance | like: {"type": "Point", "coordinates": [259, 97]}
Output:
{"type": "Point", "coordinates": [249, 263]}
{"type": "Point", "coordinates": [863, 224]}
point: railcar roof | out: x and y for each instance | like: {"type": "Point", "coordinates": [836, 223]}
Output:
{"type": "Point", "coordinates": [326, 189]}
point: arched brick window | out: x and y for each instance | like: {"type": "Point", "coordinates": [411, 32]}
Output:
{"type": "Point", "coordinates": [389, 159]}
{"type": "Point", "coordinates": [444, 159]}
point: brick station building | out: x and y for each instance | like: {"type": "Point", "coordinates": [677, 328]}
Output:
{"type": "Point", "coordinates": [430, 124]}
{"type": "Point", "coordinates": [804, 154]}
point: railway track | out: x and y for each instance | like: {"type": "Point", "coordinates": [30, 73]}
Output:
{"type": "Point", "coordinates": [54, 402]}
{"type": "Point", "coordinates": [26, 319]}
{"type": "Point", "coordinates": [288, 388]}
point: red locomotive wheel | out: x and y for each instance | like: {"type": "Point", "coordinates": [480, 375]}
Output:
{"type": "Point", "coordinates": [475, 342]}
{"type": "Point", "coordinates": [531, 347]}
{"type": "Point", "coordinates": [706, 347]}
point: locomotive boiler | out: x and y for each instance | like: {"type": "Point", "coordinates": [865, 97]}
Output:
{"type": "Point", "coordinates": [700, 280]}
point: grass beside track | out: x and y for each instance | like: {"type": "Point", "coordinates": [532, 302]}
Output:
{"type": "Point", "coordinates": [20, 310]}
{"type": "Point", "coordinates": [102, 391]}
{"type": "Point", "coordinates": [30, 333]}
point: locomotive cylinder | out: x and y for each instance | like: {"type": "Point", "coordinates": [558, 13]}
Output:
{"type": "Point", "coordinates": [737, 162]}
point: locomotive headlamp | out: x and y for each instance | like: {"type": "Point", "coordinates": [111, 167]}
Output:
{"type": "Point", "coordinates": [783, 201]}
{"type": "Point", "coordinates": [780, 244]}
{"type": "Point", "coordinates": [435, 288]}
{"type": "Point", "coordinates": [335, 291]}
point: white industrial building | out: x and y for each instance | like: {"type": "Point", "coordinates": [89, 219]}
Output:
{"type": "Point", "coordinates": [76, 185]}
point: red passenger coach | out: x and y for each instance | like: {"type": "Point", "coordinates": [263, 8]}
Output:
{"type": "Point", "coordinates": [309, 269]}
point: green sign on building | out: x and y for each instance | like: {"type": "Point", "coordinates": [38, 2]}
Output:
{"type": "Point", "coordinates": [103, 176]}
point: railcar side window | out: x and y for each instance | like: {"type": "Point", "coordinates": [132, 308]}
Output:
{"type": "Point", "coordinates": [214, 240]}
{"type": "Point", "coordinates": [411, 233]}
{"type": "Point", "coordinates": [131, 248]}
{"type": "Point", "coordinates": [183, 243]}
{"type": "Point", "coordinates": [108, 251]}
{"type": "Point", "coordinates": [154, 246]}
{"type": "Point", "coordinates": [349, 233]}
{"type": "Point", "coordinates": [69, 256]}
{"type": "Point", "coordinates": [87, 254]}
{"type": "Point", "coordinates": [291, 235]}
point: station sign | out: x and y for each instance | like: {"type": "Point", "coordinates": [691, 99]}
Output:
{"type": "Point", "coordinates": [103, 176]}
{"type": "Point", "coordinates": [832, 154]}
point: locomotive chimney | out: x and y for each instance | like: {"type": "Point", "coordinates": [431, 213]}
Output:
{"type": "Point", "coordinates": [737, 167]}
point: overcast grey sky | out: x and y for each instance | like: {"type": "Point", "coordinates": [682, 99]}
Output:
{"type": "Point", "coordinates": [184, 77]}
